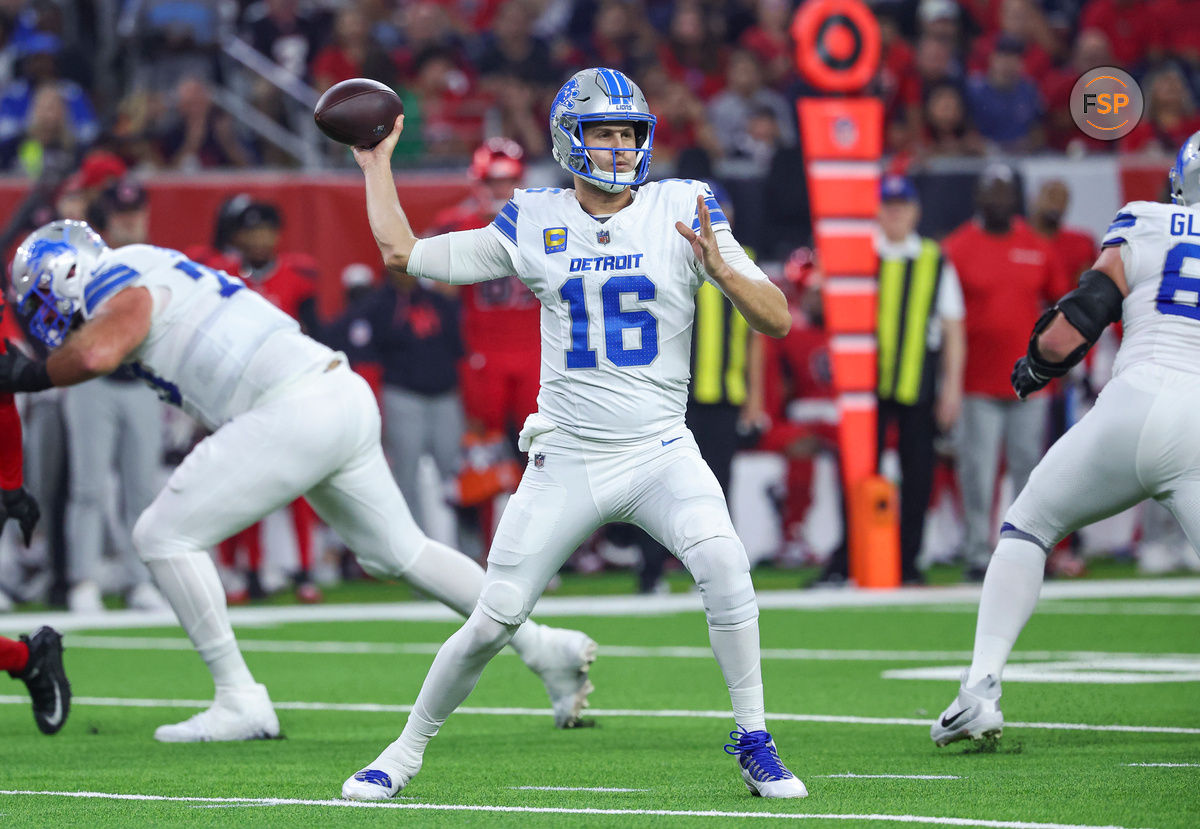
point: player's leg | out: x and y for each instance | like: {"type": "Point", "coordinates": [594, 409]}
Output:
{"type": "Point", "coordinates": [251, 466]}
{"type": "Point", "coordinates": [92, 427]}
{"type": "Point", "coordinates": [978, 462]}
{"type": "Point", "coordinates": [1090, 473]}
{"type": "Point", "coordinates": [545, 520]}
{"type": "Point", "coordinates": [139, 464]}
{"type": "Point", "coordinates": [676, 498]}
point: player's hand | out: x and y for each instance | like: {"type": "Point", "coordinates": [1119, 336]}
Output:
{"type": "Point", "coordinates": [20, 506]}
{"type": "Point", "coordinates": [704, 245]}
{"type": "Point", "coordinates": [19, 373]}
{"type": "Point", "coordinates": [1025, 380]}
{"type": "Point", "coordinates": [381, 153]}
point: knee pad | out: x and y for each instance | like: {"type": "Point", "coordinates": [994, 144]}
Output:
{"type": "Point", "coordinates": [722, 572]}
{"type": "Point", "coordinates": [504, 601]}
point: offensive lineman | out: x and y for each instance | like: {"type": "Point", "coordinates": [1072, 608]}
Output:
{"type": "Point", "coordinates": [1138, 442]}
{"type": "Point", "coordinates": [288, 418]}
{"type": "Point", "coordinates": [617, 274]}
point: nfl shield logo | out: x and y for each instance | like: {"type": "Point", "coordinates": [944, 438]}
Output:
{"type": "Point", "coordinates": [603, 236]}
{"type": "Point", "coordinates": [539, 460]}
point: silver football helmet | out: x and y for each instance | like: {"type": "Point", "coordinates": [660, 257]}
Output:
{"type": "Point", "coordinates": [1185, 173]}
{"type": "Point", "coordinates": [49, 273]}
{"type": "Point", "coordinates": [591, 96]}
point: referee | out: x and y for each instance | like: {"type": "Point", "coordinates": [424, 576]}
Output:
{"type": "Point", "coordinates": [921, 352]}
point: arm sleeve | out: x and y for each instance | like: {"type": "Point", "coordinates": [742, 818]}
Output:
{"type": "Point", "coordinates": [735, 256]}
{"type": "Point", "coordinates": [462, 258]}
{"type": "Point", "coordinates": [950, 299]}
{"type": "Point", "coordinates": [10, 441]}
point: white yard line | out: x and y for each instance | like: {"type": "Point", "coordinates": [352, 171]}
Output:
{"type": "Point", "coordinates": [1165, 765]}
{"type": "Point", "coordinates": [892, 776]}
{"type": "Point", "coordinates": [384, 708]}
{"type": "Point", "coordinates": [179, 643]}
{"type": "Point", "coordinates": [630, 605]}
{"type": "Point", "coordinates": [550, 810]}
{"type": "Point", "coordinates": [573, 789]}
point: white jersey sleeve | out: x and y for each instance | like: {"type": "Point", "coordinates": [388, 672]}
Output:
{"type": "Point", "coordinates": [1160, 250]}
{"type": "Point", "coordinates": [463, 257]}
{"type": "Point", "coordinates": [214, 348]}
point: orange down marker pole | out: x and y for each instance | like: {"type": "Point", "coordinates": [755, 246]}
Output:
{"type": "Point", "coordinates": [837, 51]}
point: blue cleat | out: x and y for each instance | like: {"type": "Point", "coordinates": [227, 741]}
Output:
{"type": "Point", "coordinates": [764, 773]}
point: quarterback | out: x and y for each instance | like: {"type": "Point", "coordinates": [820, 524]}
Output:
{"type": "Point", "coordinates": [1138, 442]}
{"type": "Point", "coordinates": [616, 272]}
{"type": "Point", "coordinates": [288, 418]}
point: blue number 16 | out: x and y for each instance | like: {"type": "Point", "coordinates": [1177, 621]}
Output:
{"type": "Point", "coordinates": [616, 321]}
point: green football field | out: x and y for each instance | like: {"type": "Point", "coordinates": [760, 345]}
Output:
{"type": "Point", "coordinates": [1101, 703]}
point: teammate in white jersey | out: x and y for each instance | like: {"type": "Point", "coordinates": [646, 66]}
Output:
{"type": "Point", "coordinates": [1138, 442]}
{"type": "Point", "coordinates": [288, 418]}
{"type": "Point", "coordinates": [616, 272]}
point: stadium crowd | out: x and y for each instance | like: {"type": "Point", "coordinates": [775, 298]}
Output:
{"type": "Point", "coordinates": [98, 97]}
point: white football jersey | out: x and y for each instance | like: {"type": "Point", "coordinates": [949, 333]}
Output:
{"type": "Point", "coordinates": [214, 347]}
{"type": "Point", "coordinates": [1160, 248]}
{"type": "Point", "coordinates": [618, 299]}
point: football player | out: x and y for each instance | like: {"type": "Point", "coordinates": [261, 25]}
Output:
{"type": "Point", "coordinates": [616, 271]}
{"type": "Point", "coordinates": [1138, 442]}
{"type": "Point", "coordinates": [287, 417]}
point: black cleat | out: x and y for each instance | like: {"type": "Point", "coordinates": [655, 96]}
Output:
{"type": "Point", "coordinates": [46, 679]}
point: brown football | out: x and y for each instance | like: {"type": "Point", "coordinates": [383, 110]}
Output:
{"type": "Point", "coordinates": [359, 112]}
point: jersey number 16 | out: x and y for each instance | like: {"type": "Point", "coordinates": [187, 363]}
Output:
{"type": "Point", "coordinates": [616, 322]}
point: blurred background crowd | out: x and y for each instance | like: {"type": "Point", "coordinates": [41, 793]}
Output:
{"type": "Point", "coordinates": [110, 108]}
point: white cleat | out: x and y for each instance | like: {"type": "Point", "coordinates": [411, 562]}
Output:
{"type": "Point", "coordinates": [237, 714]}
{"type": "Point", "coordinates": [85, 597]}
{"type": "Point", "coordinates": [381, 780]}
{"type": "Point", "coordinates": [563, 663]}
{"type": "Point", "coordinates": [763, 772]}
{"type": "Point", "coordinates": [974, 714]}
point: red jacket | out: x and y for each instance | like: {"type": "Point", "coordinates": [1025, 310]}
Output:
{"type": "Point", "coordinates": [1007, 281]}
{"type": "Point", "coordinates": [10, 437]}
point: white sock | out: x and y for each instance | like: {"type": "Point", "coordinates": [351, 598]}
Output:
{"type": "Point", "coordinates": [189, 581]}
{"type": "Point", "coordinates": [455, 580]}
{"type": "Point", "coordinates": [451, 678]}
{"type": "Point", "coordinates": [737, 653]}
{"type": "Point", "coordinates": [1010, 593]}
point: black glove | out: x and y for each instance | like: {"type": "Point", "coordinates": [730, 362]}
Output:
{"type": "Point", "coordinates": [20, 506]}
{"type": "Point", "coordinates": [1026, 379]}
{"type": "Point", "coordinates": [19, 373]}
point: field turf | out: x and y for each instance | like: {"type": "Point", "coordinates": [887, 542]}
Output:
{"type": "Point", "coordinates": [655, 739]}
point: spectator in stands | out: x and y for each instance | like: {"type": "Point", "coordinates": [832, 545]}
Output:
{"type": "Point", "coordinates": [920, 375]}
{"type": "Point", "coordinates": [1170, 116]}
{"type": "Point", "coordinates": [47, 135]}
{"type": "Point", "coordinates": [940, 20]}
{"type": "Point", "coordinates": [514, 112]}
{"type": "Point", "coordinates": [510, 46]}
{"type": "Point", "coordinates": [427, 27]}
{"type": "Point", "coordinates": [284, 32]}
{"type": "Point", "coordinates": [744, 95]}
{"type": "Point", "coordinates": [1129, 26]}
{"type": "Point", "coordinates": [619, 38]}
{"type": "Point", "coordinates": [768, 38]}
{"type": "Point", "coordinates": [114, 434]}
{"type": "Point", "coordinates": [683, 126]}
{"type": "Point", "coordinates": [351, 54]}
{"type": "Point", "coordinates": [936, 64]}
{"type": "Point", "coordinates": [898, 86]}
{"type": "Point", "coordinates": [1091, 49]}
{"type": "Point", "coordinates": [39, 71]}
{"type": "Point", "coordinates": [200, 135]}
{"type": "Point", "coordinates": [1004, 103]}
{"type": "Point", "coordinates": [1009, 275]}
{"type": "Point", "coordinates": [1022, 22]}
{"type": "Point", "coordinates": [178, 39]}
{"type": "Point", "coordinates": [948, 128]}
{"type": "Point", "coordinates": [451, 109]}
{"type": "Point", "coordinates": [691, 53]}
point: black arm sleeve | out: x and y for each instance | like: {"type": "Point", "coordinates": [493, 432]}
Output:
{"type": "Point", "coordinates": [1094, 305]}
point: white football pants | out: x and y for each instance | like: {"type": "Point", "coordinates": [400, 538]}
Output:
{"type": "Point", "coordinates": [1139, 441]}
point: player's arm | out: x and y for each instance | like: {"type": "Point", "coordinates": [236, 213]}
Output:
{"type": "Point", "coordinates": [94, 350]}
{"type": "Point", "coordinates": [389, 225]}
{"type": "Point", "coordinates": [1065, 332]}
{"type": "Point", "coordinates": [760, 302]}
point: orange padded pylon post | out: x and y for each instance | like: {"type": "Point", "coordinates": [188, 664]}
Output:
{"type": "Point", "coordinates": [837, 51]}
{"type": "Point", "coordinates": [875, 533]}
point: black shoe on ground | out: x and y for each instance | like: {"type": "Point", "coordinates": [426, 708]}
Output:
{"type": "Point", "coordinates": [46, 679]}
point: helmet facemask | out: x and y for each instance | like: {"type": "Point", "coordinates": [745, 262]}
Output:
{"type": "Point", "coordinates": [50, 270]}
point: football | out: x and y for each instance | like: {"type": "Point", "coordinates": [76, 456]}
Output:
{"type": "Point", "coordinates": [359, 112]}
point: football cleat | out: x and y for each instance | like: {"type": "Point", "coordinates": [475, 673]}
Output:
{"type": "Point", "coordinates": [974, 714]}
{"type": "Point", "coordinates": [46, 679]}
{"type": "Point", "coordinates": [563, 662]}
{"type": "Point", "coordinates": [236, 714]}
{"type": "Point", "coordinates": [764, 773]}
{"type": "Point", "coordinates": [381, 780]}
